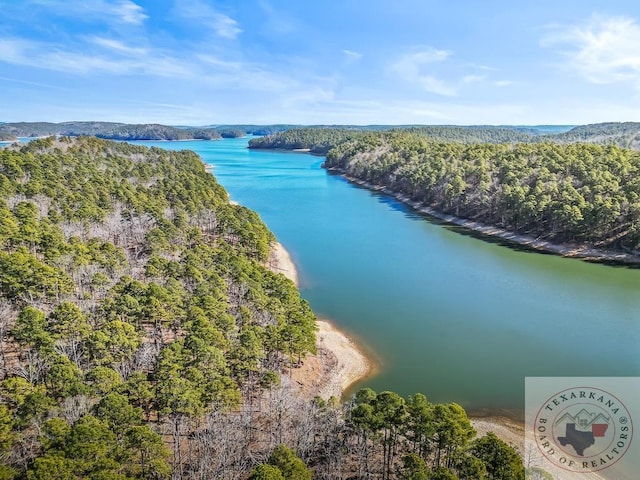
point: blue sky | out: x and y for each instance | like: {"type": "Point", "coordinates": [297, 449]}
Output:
{"type": "Point", "coordinates": [200, 62]}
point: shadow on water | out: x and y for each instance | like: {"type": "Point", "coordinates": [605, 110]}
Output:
{"type": "Point", "coordinates": [384, 198]}
{"type": "Point", "coordinates": [414, 214]}
{"type": "Point", "coordinates": [395, 204]}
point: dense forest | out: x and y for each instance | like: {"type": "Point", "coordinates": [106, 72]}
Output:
{"type": "Point", "coordinates": [576, 192]}
{"type": "Point", "coordinates": [143, 335]}
{"type": "Point", "coordinates": [316, 140]}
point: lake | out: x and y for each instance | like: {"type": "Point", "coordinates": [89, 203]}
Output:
{"type": "Point", "coordinates": [449, 315]}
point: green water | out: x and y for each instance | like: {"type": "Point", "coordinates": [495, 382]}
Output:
{"type": "Point", "coordinates": [457, 318]}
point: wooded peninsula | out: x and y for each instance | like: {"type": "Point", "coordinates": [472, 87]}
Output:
{"type": "Point", "coordinates": [144, 336]}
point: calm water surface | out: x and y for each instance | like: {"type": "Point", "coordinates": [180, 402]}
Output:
{"type": "Point", "coordinates": [449, 315]}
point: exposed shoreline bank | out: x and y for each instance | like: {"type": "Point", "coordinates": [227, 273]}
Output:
{"type": "Point", "coordinates": [583, 252]}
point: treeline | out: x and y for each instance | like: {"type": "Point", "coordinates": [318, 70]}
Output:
{"type": "Point", "coordinates": [134, 299]}
{"type": "Point", "coordinates": [378, 436]}
{"type": "Point", "coordinates": [108, 130]}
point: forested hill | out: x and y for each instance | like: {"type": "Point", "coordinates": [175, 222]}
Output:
{"type": "Point", "coordinates": [130, 289]}
{"type": "Point", "coordinates": [625, 135]}
{"type": "Point", "coordinates": [577, 192]}
{"type": "Point", "coordinates": [109, 130]}
{"type": "Point", "coordinates": [142, 336]}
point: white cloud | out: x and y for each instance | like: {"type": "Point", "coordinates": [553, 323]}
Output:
{"type": "Point", "coordinates": [117, 46]}
{"type": "Point", "coordinates": [412, 68]}
{"type": "Point", "coordinates": [503, 83]}
{"type": "Point", "coordinates": [237, 74]}
{"type": "Point", "coordinates": [129, 12]}
{"type": "Point", "coordinates": [604, 49]}
{"type": "Point", "coordinates": [197, 11]}
{"type": "Point", "coordinates": [435, 85]}
{"type": "Point", "coordinates": [12, 50]}
{"type": "Point", "coordinates": [121, 11]}
{"type": "Point", "coordinates": [352, 56]}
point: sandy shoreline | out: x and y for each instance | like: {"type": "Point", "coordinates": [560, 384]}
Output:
{"type": "Point", "coordinates": [566, 250]}
{"type": "Point", "coordinates": [339, 361]}
{"type": "Point", "coordinates": [281, 262]}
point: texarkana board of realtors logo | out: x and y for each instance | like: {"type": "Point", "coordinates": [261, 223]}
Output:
{"type": "Point", "coordinates": [582, 428]}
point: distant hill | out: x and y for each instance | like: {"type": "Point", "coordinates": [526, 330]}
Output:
{"type": "Point", "coordinates": [622, 134]}
{"type": "Point", "coordinates": [7, 137]}
{"type": "Point", "coordinates": [109, 130]}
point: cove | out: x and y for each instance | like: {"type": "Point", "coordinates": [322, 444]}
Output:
{"type": "Point", "coordinates": [446, 314]}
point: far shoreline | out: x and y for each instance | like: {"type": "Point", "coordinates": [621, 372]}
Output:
{"type": "Point", "coordinates": [582, 252]}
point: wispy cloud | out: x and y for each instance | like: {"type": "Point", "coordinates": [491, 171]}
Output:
{"type": "Point", "coordinates": [473, 78]}
{"type": "Point", "coordinates": [80, 60]}
{"type": "Point", "coordinates": [603, 49]}
{"type": "Point", "coordinates": [503, 83]}
{"type": "Point", "coordinates": [277, 20]}
{"type": "Point", "coordinates": [352, 56]}
{"type": "Point", "coordinates": [435, 85]}
{"type": "Point", "coordinates": [30, 83]}
{"type": "Point", "coordinates": [238, 74]}
{"type": "Point", "coordinates": [117, 46]}
{"type": "Point", "coordinates": [413, 66]}
{"type": "Point", "coordinates": [197, 11]}
{"type": "Point", "coordinates": [122, 11]}
{"type": "Point", "coordinates": [96, 55]}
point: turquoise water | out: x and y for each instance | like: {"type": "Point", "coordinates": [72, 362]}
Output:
{"type": "Point", "coordinates": [457, 318]}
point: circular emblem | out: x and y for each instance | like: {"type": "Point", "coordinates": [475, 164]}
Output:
{"type": "Point", "coordinates": [583, 429]}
